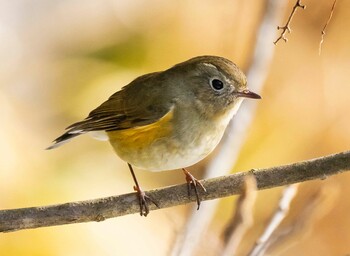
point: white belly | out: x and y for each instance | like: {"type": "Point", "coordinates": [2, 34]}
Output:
{"type": "Point", "coordinates": [169, 155]}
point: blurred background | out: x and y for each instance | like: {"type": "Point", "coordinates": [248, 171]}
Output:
{"type": "Point", "coordinates": [61, 59]}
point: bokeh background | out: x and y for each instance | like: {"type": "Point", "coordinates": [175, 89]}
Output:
{"type": "Point", "coordinates": [61, 59]}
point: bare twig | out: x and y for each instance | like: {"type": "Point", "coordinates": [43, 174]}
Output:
{"type": "Point", "coordinates": [243, 218]}
{"type": "Point", "coordinates": [109, 207]}
{"type": "Point", "coordinates": [286, 27]}
{"type": "Point", "coordinates": [281, 213]}
{"type": "Point", "coordinates": [323, 32]}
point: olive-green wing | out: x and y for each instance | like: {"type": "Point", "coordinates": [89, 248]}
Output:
{"type": "Point", "coordinates": [137, 104]}
{"type": "Point", "coordinates": [140, 103]}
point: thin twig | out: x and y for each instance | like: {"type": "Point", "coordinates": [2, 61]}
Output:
{"type": "Point", "coordinates": [286, 27]}
{"type": "Point", "coordinates": [280, 214]}
{"type": "Point", "coordinates": [323, 32]}
{"type": "Point", "coordinates": [109, 207]}
{"type": "Point", "coordinates": [243, 218]}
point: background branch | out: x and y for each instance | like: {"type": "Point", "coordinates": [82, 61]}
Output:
{"type": "Point", "coordinates": [189, 239]}
{"type": "Point", "coordinates": [318, 204]}
{"type": "Point", "coordinates": [104, 208]}
{"type": "Point", "coordinates": [242, 219]}
{"type": "Point", "coordinates": [262, 243]}
{"type": "Point", "coordinates": [323, 32]}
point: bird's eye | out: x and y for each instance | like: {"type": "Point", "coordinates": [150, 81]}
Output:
{"type": "Point", "coordinates": [217, 84]}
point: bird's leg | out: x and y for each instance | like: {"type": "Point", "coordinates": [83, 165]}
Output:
{"type": "Point", "coordinates": [192, 182]}
{"type": "Point", "coordinates": [143, 198]}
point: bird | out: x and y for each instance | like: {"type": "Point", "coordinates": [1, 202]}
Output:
{"type": "Point", "coordinates": [168, 120]}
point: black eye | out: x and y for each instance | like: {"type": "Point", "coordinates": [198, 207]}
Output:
{"type": "Point", "coordinates": [217, 84]}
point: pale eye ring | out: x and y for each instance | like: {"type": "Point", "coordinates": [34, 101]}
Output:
{"type": "Point", "coordinates": [216, 84]}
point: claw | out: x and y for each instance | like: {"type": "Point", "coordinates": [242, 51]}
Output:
{"type": "Point", "coordinates": [144, 201]}
{"type": "Point", "coordinates": [193, 183]}
{"type": "Point", "coordinates": [143, 198]}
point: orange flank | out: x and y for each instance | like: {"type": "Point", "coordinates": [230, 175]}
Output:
{"type": "Point", "coordinates": [137, 139]}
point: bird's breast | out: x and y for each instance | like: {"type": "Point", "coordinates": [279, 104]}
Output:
{"type": "Point", "coordinates": [166, 144]}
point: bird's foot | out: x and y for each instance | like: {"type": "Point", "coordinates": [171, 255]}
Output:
{"type": "Point", "coordinates": [144, 201]}
{"type": "Point", "coordinates": [193, 183]}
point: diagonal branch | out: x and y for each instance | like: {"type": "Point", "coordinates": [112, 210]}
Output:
{"type": "Point", "coordinates": [264, 240]}
{"type": "Point", "coordinates": [189, 239]}
{"type": "Point", "coordinates": [114, 206]}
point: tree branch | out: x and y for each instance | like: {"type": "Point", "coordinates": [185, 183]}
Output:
{"type": "Point", "coordinates": [114, 206]}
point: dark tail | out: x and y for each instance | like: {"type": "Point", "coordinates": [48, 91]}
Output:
{"type": "Point", "coordinates": [64, 138]}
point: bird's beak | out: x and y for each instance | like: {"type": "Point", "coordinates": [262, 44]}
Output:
{"type": "Point", "coordinates": [248, 94]}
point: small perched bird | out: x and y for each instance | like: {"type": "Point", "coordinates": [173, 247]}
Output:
{"type": "Point", "coordinates": [170, 119]}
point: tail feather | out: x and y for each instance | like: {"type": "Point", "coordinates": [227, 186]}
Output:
{"type": "Point", "coordinates": [64, 138]}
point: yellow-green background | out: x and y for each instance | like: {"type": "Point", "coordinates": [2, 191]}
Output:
{"type": "Point", "coordinates": [60, 59]}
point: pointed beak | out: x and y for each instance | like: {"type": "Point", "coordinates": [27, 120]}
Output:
{"type": "Point", "coordinates": [248, 94]}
